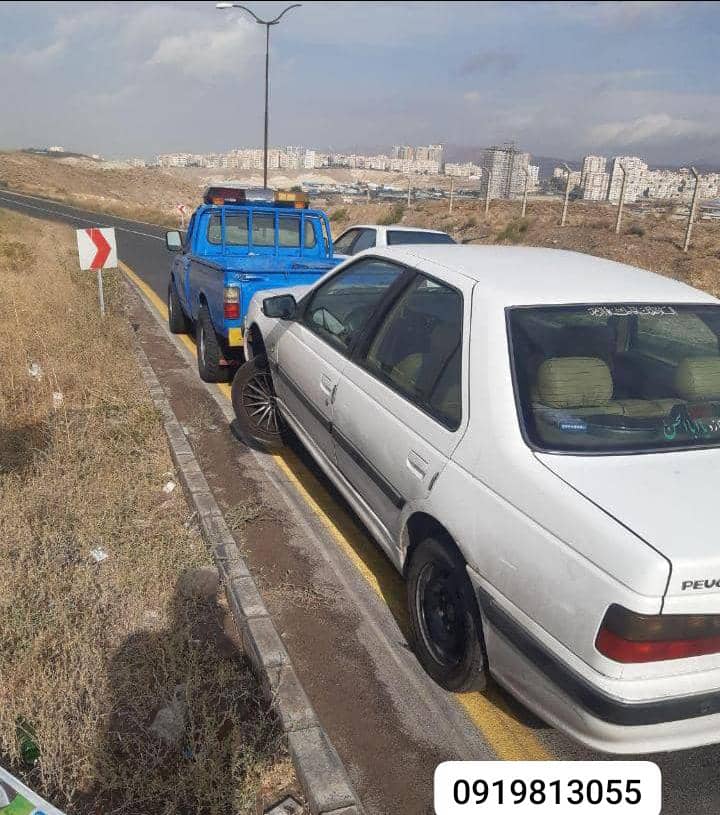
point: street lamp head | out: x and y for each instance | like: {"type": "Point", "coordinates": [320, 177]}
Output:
{"type": "Point", "coordinates": [257, 19]}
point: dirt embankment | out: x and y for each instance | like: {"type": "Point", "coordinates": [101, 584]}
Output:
{"type": "Point", "coordinates": [118, 665]}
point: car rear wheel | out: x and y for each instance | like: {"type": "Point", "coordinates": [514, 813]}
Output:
{"type": "Point", "coordinates": [446, 626]}
{"type": "Point", "coordinates": [178, 322]}
{"type": "Point", "coordinates": [253, 398]}
{"type": "Point", "coordinates": [209, 350]}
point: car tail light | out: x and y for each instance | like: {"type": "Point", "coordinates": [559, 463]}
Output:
{"type": "Point", "coordinates": [626, 636]}
{"type": "Point", "coordinates": [231, 303]}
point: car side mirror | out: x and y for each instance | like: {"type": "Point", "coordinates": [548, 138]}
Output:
{"type": "Point", "coordinates": [282, 306]}
{"type": "Point", "coordinates": [174, 241]}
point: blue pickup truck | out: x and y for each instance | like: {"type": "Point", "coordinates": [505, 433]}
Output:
{"type": "Point", "coordinates": [238, 242]}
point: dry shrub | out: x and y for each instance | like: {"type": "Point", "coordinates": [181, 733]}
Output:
{"type": "Point", "coordinates": [514, 231]}
{"type": "Point", "coordinates": [90, 651]}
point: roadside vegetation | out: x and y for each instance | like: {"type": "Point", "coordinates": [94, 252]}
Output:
{"type": "Point", "coordinates": [391, 215]}
{"type": "Point", "coordinates": [121, 687]}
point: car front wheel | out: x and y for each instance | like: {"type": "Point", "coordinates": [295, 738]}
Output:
{"type": "Point", "coordinates": [253, 399]}
{"type": "Point", "coordinates": [446, 626]}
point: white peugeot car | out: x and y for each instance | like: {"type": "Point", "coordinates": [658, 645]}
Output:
{"type": "Point", "coordinates": [533, 437]}
{"type": "Point", "coordinates": [369, 236]}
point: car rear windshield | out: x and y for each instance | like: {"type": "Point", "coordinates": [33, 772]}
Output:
{"type": "Point", "coordinates": [613, 378]}
{"type": "Point", "coordinates": [395, 237]}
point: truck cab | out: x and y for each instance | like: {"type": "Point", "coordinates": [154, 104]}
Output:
{"type": "Point", "coordinates": [240, 241]}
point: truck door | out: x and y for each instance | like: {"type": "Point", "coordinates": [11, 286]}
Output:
{"type": "Point", "coordinates": [183, 276]}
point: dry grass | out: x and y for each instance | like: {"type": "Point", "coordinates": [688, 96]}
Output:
{"type": "Point", "coordinates": [89, 652]}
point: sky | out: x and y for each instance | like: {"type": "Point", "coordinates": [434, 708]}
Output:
{"type": "Point", "coordinates": [559, 79]}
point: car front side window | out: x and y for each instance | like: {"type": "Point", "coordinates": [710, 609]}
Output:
{"type": "Point", "coordinates": [340, 308]}
{"type": "Point", "coordinates": [417, 349]}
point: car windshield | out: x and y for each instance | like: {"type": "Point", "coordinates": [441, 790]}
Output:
{"type": "Point", "coordinates": [618, 377]}
{"type": "Point", "coordinates": [395, 237]}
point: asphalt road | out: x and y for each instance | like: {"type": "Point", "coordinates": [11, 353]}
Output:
{"type": "Point", "coordinates": [492, 722]}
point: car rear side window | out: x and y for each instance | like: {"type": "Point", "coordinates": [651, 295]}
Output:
{"type": "Point", "coordinates": [289, 232]}
{"type": "Point", "coordinates": [236, 229]}
{"type": "Point", "coordinates": [396, 237]}
{"type": "Point", "coordinates": [417, 349]}
{"type": "Point", "coordinates": [341, 307]}
{"type": "Point", "coordinates": [263, 229]}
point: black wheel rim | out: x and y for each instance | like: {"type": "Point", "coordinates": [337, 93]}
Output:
{"type": "Point", "coordinates": [440, 612]}
{"type": "Point", "coordinates": [258, 400]}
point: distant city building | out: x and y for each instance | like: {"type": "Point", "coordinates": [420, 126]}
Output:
{"type": "Point", "coordinates": [421, 159]}
{"type": "Point", "coordinates": [502, 167]}
{"type": "Point", "coordinates": [504, 171]}
{"type": "Point", "coordinates": [466, 170]}
{"type": "Point", "coordinates": [594, 178]}
{"type": "Point", "coordinates": [636, 169]}
{"type": "Point", "coordinates": [402, 151]}
{"type": "Point", "coordinates": [560, 176]}
{"type": "Point", "coordinates": [678, 185]}
{"type": "Point", "coordinates": [56, 149]}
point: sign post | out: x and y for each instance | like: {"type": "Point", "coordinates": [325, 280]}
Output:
{"type": "Point", "coordinates": [182, 209]}
{"type": "Point", "coordinates": [16, 798]}
{"type": "Point", "coordinates": [97, 250]}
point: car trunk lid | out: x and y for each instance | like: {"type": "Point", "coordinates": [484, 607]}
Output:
{"type": "Point", "coordinates": [668, 500]}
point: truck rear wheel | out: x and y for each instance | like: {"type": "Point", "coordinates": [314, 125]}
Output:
{"type": "Point", "coordinates": [178, 322]}
{"type": "Point", "coordinates": [253, 399]}
{"type": "Point", "coordinates": [209, 350]}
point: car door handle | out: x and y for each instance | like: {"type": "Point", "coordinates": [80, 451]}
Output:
{"type": "Point", "coordinates": [326, 384]}
{"type": "Point", "coordinates": [417, 465]}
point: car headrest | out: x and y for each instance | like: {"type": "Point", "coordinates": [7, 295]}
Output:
{"type": "Point", "coordinates": [698, 378]}
{"type": "Point", "coordinates": [566, 382]}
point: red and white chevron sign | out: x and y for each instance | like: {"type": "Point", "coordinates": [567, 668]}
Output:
{"type": "Point", "coordinates": [97, 248]}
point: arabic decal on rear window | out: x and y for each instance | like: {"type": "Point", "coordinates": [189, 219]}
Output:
{"type": "Point", "coordinates": [631, 311]}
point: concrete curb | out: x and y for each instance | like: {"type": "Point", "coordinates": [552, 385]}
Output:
{"type": "Point", "coordinates": [324, 779]}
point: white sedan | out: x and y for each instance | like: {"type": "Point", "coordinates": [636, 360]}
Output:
{"type": "Point", "coordinates": [533, 437]}
{"type": "Point", "coordinates": [368, 236]}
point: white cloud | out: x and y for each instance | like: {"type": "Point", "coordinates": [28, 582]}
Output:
{"type": "Point", "coordinates": [651, 128]}
{"type": "Point", "coordinates": [203, 54]}
{"type": "Point", "coordinates": [34, 58]}
{"type": "Point", "coordinates": [625, 14]}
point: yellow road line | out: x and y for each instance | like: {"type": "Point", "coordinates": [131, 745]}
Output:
{"type": "Point", "coordinates": [509, 739]}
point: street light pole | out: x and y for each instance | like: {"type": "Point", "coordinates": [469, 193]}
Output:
{"type": "Point", "coordinates": [267, 99]}
{"type": "Point", "coordinates": [267, 24]}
